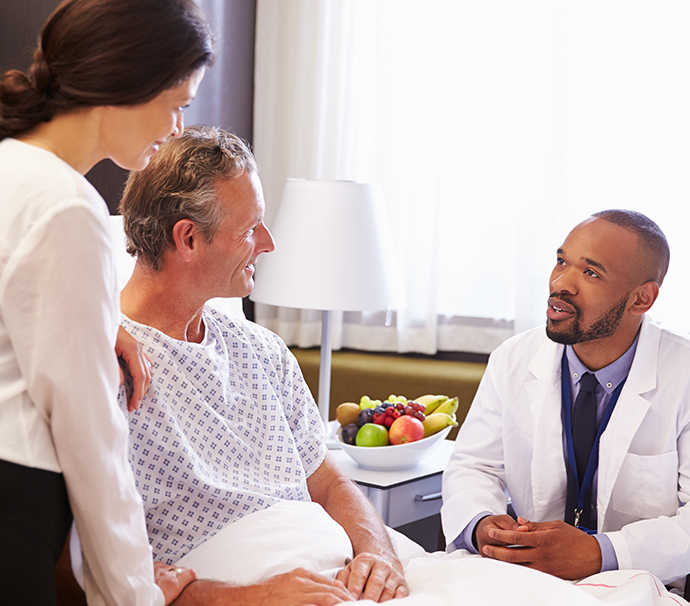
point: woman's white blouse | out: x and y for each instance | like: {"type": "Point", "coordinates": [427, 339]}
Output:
{"type": "Point", "coordinates": [59, 315]}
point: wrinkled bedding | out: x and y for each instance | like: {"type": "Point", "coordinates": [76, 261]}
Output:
{"type": "Point", "coordinates": [290, 535]}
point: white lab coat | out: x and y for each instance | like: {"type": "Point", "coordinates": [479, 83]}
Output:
{"type": "Point", "coordinates": [512, 442]}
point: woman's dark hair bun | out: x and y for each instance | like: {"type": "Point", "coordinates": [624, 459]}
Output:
{"type": "Point", "coordinates": [22, 103]}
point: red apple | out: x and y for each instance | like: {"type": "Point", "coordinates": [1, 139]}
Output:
{"type": "Point", "coordinates": [405, 429]}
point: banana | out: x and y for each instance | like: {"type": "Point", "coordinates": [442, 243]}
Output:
{"type": "Point", "coordinates": [431, 402]}
{"type": "Point", "coordinates": [436, 422]}
{"type": "Point", "coordinates": [450, 407]}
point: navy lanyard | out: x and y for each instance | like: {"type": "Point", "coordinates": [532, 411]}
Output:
{"type": "Point", "coordinates": [593, 462]}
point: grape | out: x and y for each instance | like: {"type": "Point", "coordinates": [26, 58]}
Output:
{"type": "Point", "coordinates": [366, 402]}
{"type": "Point", "coordinates": [416, 406]}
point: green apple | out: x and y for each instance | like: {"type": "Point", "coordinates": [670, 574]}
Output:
{"type": "Point", "coordinates": [371, 434]}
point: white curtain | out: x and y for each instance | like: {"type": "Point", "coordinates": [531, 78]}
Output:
{"type": "Point", "coordinates": [493, 127]}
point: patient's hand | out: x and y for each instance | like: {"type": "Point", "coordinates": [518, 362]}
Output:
{"type": "Point", "coordinates": [554, 547]}
{"type": "Point", "coordinates": [374, 577]}
{"type": "Point", "coordinates": [131, 351]}
{"type": "Point", "coordinates": [171, 579]}
{"type": "Point", "coordinates": [297, 588]}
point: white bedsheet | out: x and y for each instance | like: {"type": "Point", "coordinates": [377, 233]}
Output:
{"type": "Point", "coordinates": [290, 535]}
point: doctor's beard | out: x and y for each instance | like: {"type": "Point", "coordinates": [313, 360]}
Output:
{"type": "Point", "coordinates": [572, 332]}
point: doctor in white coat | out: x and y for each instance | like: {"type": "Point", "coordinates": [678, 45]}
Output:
{"type": "Point", "coordinates": [513, 443]}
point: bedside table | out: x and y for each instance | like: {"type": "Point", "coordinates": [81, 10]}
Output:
{"type": "Point", "coordinates": [404, 497]}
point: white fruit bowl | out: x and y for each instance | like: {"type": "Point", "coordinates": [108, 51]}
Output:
{"type": "Point", "coordinates": [392, 458]}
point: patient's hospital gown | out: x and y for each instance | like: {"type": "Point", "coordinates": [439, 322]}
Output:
{"type": "Point", "coordinates": [227, 428]}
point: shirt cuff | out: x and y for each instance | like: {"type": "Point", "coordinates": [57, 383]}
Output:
{"type": "Point", "coordinates": [159, 597]}
{"type": "Point", "coordinates": [464, 539]}
{"type": "Point", "coordinates": [609, 561]}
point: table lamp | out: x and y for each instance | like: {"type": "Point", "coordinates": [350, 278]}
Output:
{"type": "Point", "coordinates": [334, 251]}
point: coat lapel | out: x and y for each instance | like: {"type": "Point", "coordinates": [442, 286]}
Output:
{"type": "Point", "coordinates": [548, 464]}
{"type": "Point", "coordinates": [628, 414]}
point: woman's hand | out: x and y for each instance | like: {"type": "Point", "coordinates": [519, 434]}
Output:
{"type": "Point", "coordinates": [131, 351]}
{"type": "Point", "coordinates": [171, 579]}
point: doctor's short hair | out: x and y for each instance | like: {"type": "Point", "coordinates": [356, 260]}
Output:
{"type": "Point", "coordinates": [180, 183]}
{"type": "Point", "coordinates": [652, 242]}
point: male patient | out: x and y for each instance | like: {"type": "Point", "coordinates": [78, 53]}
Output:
{"type": "Point", "coordinates": [228, 426]}
{"type": "Point", "coordinates": [585, 425]}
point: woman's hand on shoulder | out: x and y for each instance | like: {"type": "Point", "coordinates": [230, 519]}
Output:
{"type": "Point", "coordinates": [131, 351]}
{"type": "Point", "coordinates": [172, 579]}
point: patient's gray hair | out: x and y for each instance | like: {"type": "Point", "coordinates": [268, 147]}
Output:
{"type": "Point", "coordinates": [180, 183]}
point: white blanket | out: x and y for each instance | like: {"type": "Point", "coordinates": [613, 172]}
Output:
{"type": "Point", "coordinates": [290, 535]}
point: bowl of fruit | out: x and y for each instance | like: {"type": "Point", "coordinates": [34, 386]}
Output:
{"type": "Point", "coordinates": [396, 433]}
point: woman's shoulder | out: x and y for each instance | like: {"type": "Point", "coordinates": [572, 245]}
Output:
{"type": "Point", "coordinates": [36, 184]}
{"type": "Point", "coordinates": [28, 170]}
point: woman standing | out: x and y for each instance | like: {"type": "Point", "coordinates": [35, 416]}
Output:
{"type": "Point", "coordinates": [110, 79]}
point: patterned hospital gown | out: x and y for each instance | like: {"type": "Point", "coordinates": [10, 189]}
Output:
{"type": "Point", "coordinates": [227, 428]}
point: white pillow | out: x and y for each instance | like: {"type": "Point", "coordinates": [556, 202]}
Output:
{"type": "Point", "coordinates": [287, 535]}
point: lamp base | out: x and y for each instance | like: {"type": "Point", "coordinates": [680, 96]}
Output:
{"type": "Point", "coordinates": [325, 367]}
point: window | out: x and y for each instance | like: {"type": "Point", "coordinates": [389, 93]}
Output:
{"type": "Point", "coordinates": [494, 127]}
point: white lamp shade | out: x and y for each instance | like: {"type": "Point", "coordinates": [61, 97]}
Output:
{"type": "Point", "coordinates": [334, 250]}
